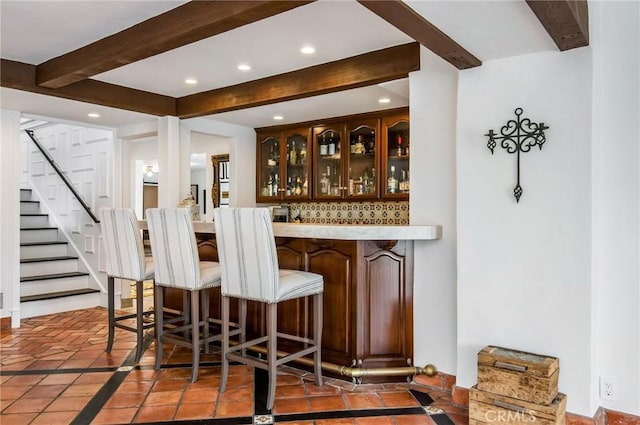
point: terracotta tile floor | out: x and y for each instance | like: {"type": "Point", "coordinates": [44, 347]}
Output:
{"type": "Point", "coordinates": [54, 370]}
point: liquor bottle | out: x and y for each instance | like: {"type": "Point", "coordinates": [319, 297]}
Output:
{"type": "Point", "coordinates": [293, 154]}
{"type": "Point", "coordinates": [365, 181]}
{"type": "Point", "coordinates": [371, 143]}
{"type": "Point", "coordinates": [271, 161]}
{"type": "Point", "coordinates": [392, 182]}
{"type": "Point", "coordinates": [372, 181]}
{"type": "Point", "coordinates": [290, 186]}
{"type": "Point", "coordinates": [305, 186]}
{"type": "Point", "coordinates": [323, 145]}
{"type": "Point", "coordinates": [331, 150]}
{"type": "Point", "coordinates": [350, 182]}
{"type": "Point", "coordinates": [276, 183]}
{"type": "Point", "coordinates": [298, 186]}
{"type": "Point", "coordinates": [325, 182]}
{"type": "Point", "coordinates": [359, 145]}
{"type": "Point", "coordinates": [270, 186]}
{"type": "Point", "coordinates": [404, 183]}
{"type": "Point", "coordinates": [352, 146]}
{"type": "Point", "coordinates": [399, 142]}
{"type": "Point", "coordinates": [302, 158]}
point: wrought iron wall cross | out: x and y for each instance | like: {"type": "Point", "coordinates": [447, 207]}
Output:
{"type": "Point", "coordinates": [518, 136]}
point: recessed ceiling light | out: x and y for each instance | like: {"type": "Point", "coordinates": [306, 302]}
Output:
{"type": "Point", "coordinates": [244, 67]}
{"type": "Point", "coordinates": [191, 81]}
{"type": "Point", "coordinates": [93, 115]}
{"type": "Point", "coordinates": [384, 100]}
{"type": "Point", "coordinates": [307, 50]}
{"type": "Point", "coordinates": [278, 117]}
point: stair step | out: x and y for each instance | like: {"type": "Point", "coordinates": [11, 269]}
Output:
{"type": "Point", "coordinates": [53, 282]}
{"type": "Point", "coordinates": [48, 266]}
{"type": "Point", "coordinates": [43, 259]}
{"type": "Point", "coordinates": [57, 302]}
{"type": "Point", "coordinates": [52, 276]}
{"type": "Point", "coordinates": [25, 194]}
{"type": "Point", "coordinates": [59, 294]}
{"type": "Point", "coordinates": [38, 234]}
{"type": "Point", "coordinates": [29, 207]}
{"type": "Point", "coordinates": [34, 220]}
{"type": "Point", "coordinates": [43, 249]}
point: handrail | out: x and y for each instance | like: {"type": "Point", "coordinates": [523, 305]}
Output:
{"type": "Point", "coordinates": [64, 177]}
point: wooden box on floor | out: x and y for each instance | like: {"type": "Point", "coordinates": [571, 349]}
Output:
{"type": "Point", "coordinates": [517, 374]}
{"type": "Point", "coordinates": [489, 408]}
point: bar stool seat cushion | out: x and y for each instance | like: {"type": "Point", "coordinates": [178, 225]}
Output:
{"type": "Point", "coordinates": [296, 284]}
{"type": "Point", "coordinates": [148, 268]}
{"type": "Point", "coordinates": [209, 274]}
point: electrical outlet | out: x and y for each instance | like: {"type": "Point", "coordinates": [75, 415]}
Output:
{"type": "Point", "coordinates": [607, 388]}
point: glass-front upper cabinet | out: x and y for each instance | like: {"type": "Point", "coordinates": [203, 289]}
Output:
{"type": "Point", "coordinates": [396, 145]}
{"type": "Point", "coordinates": [364, 160]}
{"type": "Point", "coordinates": [268, 172]}
{"type": "Point", "coordinates": [297, 167]}
{"type": "Point", "coordinates": [329, 182]}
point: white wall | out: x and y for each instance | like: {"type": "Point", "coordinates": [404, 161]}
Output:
{"type": "Point", "coordinates": [524, 277]}
{"type": "Point", "coordinates": [433, 92]}
{"type": "Point", "coordinates": [10, 215]}
{"type": "Point", "coordinates": [615, 39]}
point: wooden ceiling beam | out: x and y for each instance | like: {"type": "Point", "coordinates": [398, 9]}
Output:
{"type": "Point", "coordinates": [401, 16]}
{"type": "Point", "coordinates": [357, 71]}
{"type": "Point", "coordinates": [22, 76]}
{"type": "Point", "coordinates": [566, 21]}
{"type": "Point", "coordinates": [183, 25]}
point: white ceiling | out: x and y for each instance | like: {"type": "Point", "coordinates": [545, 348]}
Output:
{"type": "Point", "coordinates": [35, 31]}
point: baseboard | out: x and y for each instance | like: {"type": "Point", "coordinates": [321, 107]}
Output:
{"type": "Point", "coordinates": [460, 398]}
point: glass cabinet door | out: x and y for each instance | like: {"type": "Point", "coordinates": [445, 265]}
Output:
{"type": "Point", "coordinates": [363, 160]}
{"type": "Point", "coordinates": [269, 187]}
{"type": "Point", "coordinates": [329, 163]}
{"type": "Point", "coordinates": [298, 164]}
{"type": "Point", "coordinates": [396, 157]}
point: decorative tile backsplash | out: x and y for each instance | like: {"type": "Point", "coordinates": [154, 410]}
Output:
{"type": "Point", "coordinates": [383, 212]}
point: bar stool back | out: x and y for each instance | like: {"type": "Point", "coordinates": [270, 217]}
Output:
{"type": "Point", "coordinates": [125, 260]}
{"type": "Point", "coordinates": [250, 271]}
{"type": "Point", "coordinates": [178, 265]}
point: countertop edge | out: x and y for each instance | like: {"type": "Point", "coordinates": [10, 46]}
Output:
{"type": "Point", "coordinates": [339, 231]}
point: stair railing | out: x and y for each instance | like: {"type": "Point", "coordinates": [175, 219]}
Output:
{"type": "Point", "coordinates": [63, 176]}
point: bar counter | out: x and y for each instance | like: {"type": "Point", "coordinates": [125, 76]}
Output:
{"type": "Point", "coordinates": [368, 293]}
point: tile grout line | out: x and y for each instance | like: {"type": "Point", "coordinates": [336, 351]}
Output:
{"type": "Point", "coordinates": [93, 407]}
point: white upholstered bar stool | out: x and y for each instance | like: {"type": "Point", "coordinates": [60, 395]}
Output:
{"type": "Point", "coordinates": [125, 260]}
{"type": "Point", "coordinates": [178, 265]}
{"type": "Point", "coordinates": [249, 264]}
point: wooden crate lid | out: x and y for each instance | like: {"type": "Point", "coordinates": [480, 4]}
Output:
{"type": "Point", "coordinates": [518, 361]}
{"type": "Point", "coordinates": [551, 412]}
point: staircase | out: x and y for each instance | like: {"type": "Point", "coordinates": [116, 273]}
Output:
{"type": "Point", "coordinates": [50, 276]}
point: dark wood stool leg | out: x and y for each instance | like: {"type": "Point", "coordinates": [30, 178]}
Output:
{"type": "Point", "coordinates": [111, 311]}
{"type": "Point", "coordinates": [139, 319]}
{"type": "Point", "coordinates": [159, 318]}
